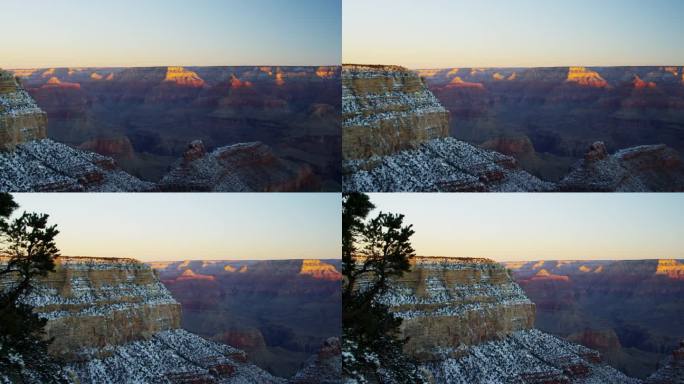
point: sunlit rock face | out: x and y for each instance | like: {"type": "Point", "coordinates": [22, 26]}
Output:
{"type": "Point", "coordinates": [183, 77]}
{"type": "Point", "coordinates": [386, 109]}
{"type": "Point", "coordinates": [586, 77]}
{"type": "Point", "coordinates": [21, 120]}
{"type": "Point", "coordinates": [320, 270]}
{"type": "Point", "coordinates": [670, 268]}
{"type": "Point", "coordinates": [55, 82]}
{"type": "Point", "coordinates": [113, 321]}
{"type": "Point", "coordinates": [646, 168]}
{"type": "Point", "coordinates": [240, 167]}
{"type": "Point", "coordinates": [95, 304]}
{"type": "Point", "coordinates": [448, 303]}
{"type": "Point", "coordinates": [641, 84]}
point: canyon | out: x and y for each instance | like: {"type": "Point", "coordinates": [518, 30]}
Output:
{"type": "Point", "coordinates": [31, 162]}
{"type": "Point", "coordinates": [435, 130]}
{"type": "Point", "coordinates": [144, 118]}
{"type": "Point", "coordinates": [467, 321]}
{"type": "Point", "coordinates": [562, 111]}
{"type": "Point", "coordinates": [629, 310]}
{"type": "Point", "coordinates": [279, 311]}
{"type": "Point", "coordinates": [113, 322]}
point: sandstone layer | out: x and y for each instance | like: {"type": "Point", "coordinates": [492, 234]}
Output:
{"type": "Point", "coordinates": [451, 303]}
{"type": "Point", "coordinates": [386, 109]}
{"type": "Point", "coordinates": [113, 321]}
{"type": "Point", "coordinates": [244, 167]}
{"type": "Point", "coordinates": [20, 118]}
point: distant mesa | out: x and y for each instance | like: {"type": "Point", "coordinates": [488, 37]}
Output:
{"type": "Point", "coordinates": [54, 82]}
{"type": "Point", "coordinates": [670, 268]}
{"type": "Point", "coordinates": [320, 270]}
{"type": "Point", "coordinates": [457, 82]}
{"type": "Point", "coordinates": [584, 268]}
{"type": "Point", "coordinates": [96, 76]}
{"type": "Point", "coordinates": [498, 76]}
{"type": "Point", "coordinates": [183, 77]}
{"type": "Point", "coordinates": [544, 274]}
{"type": "Point", "coordinates": [428, 72]}
{"type": "Point", "coordinates": [325, 72]}
{"type": "Point", "coordinates": [189, 274]}
{"type": "Point", "coordinates": [586, 77]}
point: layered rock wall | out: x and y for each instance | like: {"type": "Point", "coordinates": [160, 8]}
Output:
{"type": "Point", "coordinates": [449, 303]}
{"type": "Point", "coordinates": [20, 118]}
{"type": "Point", "coordinates": [95, 304]}
{"type": "Point", "coordinates": [386, 109]}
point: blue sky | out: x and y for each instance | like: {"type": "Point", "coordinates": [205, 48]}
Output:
{"type": "Point", "coordinates": [161, 227]}
{"type": "Point", "coordinates": [169, 32]}
{"type": "Point", "coordinates": [490, 33]}
{"type": "Point", "coordinates": [512, 227]}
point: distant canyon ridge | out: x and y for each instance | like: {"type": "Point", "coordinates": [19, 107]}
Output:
{"type": "Point", "coordinates": [279, 311]}
{"type": "Point", "coordinates": [547, 117]}
{"type": "Point", "coordinates": [630, 310]}
{"type": "Point", "coordinates": [147, 118]}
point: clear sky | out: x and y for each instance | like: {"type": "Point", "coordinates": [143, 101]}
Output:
{"type": "Point", "coordinates": [210, 226]}
{"type": "Point", "coordinates": [514, 227]}
{"type": "Point", "coordinates": [82, 33]}
{"type": "Point", "coordinates": [505, 33]}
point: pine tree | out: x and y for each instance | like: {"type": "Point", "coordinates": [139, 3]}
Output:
{"type": "Point", "coordinates": [27, 251]}
{"type": "Point", "coordinates": [373, 252]}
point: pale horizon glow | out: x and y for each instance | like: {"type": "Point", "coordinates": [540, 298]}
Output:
{"type": "Point", "coordinates": [556, 226]}
{"type": "Point", "coordinates": [187, 226]}
{"type": "Point", "coordinates": [501, 33]}
{"type": "Point", "coordinates": [158, 33]}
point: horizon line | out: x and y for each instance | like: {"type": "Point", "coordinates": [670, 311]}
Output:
{"type": "Point", "coordinates": [174, 65]}
{"type": "Point", "coordinates": [517, 67]}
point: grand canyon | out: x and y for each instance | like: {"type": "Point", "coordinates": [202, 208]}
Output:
{"type": "Point", "coordinates": [113, 321]}
{"type": "Point", "coordinates": [629, 310]}
{"type": "Point", "coordinates": [263, 128]}
{"type": "Point", "coordinates": [466, 320]}
{"type": "Point", "coordinates": [512, 129]}
{"type": "Point", "coordinates": [279, 311]}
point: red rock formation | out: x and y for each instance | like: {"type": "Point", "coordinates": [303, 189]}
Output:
{"type": "Point", "coordinates": [188, 274]}
{"type": "Point", "coordinates": [320, 270]}
{"type": "Point", "coordinates": [670, 268]}
{"type": "Point", "coordinates": [54, 82]}
{"type": "Point", "coordinates": [586, 77]}
{"type": "Point", "coordinates": [237, 83]}
{"type": "Point", "coordinates": [118, 147]}
{"type": "Point", "coordinates": [457, 82]}
{"type": "Point", "coordinates": [640, 84]}
{"type": "Point", "coordinates": [183, 77]}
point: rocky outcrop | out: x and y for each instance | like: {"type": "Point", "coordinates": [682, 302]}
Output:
{"type": "Point", "coordinates": [183, 77]}
{"type": "Point", "coordinates": [585, 77]}
{"type": "Point", "coordinates": [20, 118]}
{"type": "Point", "coordinates": [118, 147]}
{"type": "Point", "coordinates": [440, 165]}
{"type": "Point", "coordinates": [114, 322]}
{"type": "Point", "coordinates": [386, 109]}
{"type": "Point", "coordinates": [673, 370]}
{"type": "Point", "coordinates": [646, 168]}
{"type": "Point", "coordinates": [237, 168]}
{"type": "Point", "coordinates": [468, 322]}
{"type": "Point", "coordinates": [395, 138]}
{"type": "Point", "coordinates": [323, 368]}
{"type": "Point", "coordinates": [48, 166]}
{"type": "Point", "coordinates": [449, 303]}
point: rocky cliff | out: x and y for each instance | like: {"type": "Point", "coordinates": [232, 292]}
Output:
{"type": "Point", "coordinates": [20, 118]}
{"type": "Point", "coordinates": [113, 321]}
{"type": "Point", "coordinates": [395, 138]}
{"type": "Point", "coordinates": [237, 168]}
{"type": "Point", "coordinates": [325, 367]}
{"type": "Point", "coordinates": [646, 168]}
{"type": "Point", "coordinates": [673, 370]}
{"type": "Point", "coordinates": [386, 109]}
{"type": "Point", "coordinates": [468, 322]}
